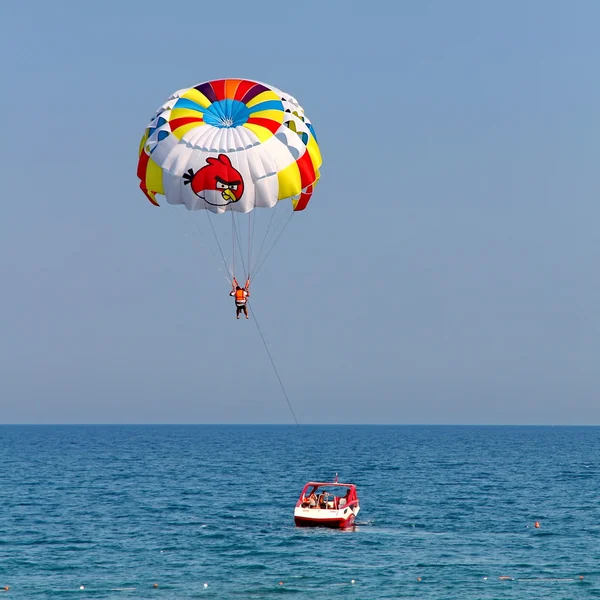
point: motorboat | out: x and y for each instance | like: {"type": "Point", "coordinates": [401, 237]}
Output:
{"type": "Point", "coordinates": [327, 504]}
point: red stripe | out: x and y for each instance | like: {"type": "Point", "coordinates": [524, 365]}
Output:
{"type": "Point", "coordinates": [177, 123]}
{"type": "Point", "coordinates": [141, 173]}
{"type": "Point", "coordinates": [243, 88]}
{"type": "Point", "coordinates": [304, 199]}
{"type": "Point", "coordinates": [269, 124]}
{"type": "Point", "coordinates": [307, 172]}
{"type": "Point", "coordinates": [141, 170]}
{"type": "Point", "coordinates": [219, 88]}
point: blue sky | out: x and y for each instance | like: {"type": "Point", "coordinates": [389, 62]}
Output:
{"type": "Point", "coordinates": [446, 270]}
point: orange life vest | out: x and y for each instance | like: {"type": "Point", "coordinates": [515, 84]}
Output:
{"type": "Point", "coordinates": [240, 296]}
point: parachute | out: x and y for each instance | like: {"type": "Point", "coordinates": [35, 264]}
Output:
{"type": "Point", "coordinates": [232, 146]}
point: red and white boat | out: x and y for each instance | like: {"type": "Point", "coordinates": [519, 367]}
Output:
{"type": "Point", "coordinates": [327, 504]}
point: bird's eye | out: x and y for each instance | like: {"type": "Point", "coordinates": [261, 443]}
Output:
{"type": "Point", "coordinates": [233, 187]}
{"type": "Point", "coordinates": [221, 186]}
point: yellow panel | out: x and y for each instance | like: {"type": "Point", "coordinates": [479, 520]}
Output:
{"type": "Point", "coordinates": [197, 97]}
{"type": "Point", "coordinates": [263, 97]}
{"type": "Point", "coordinates": [154, 177]}
{"type": "Point", "coordinates": [262, 133]}
{"type": "Point", "coordinates": [152, 197]}
{"type": "Point", "coordinates": [274, 115]}
{"type": "Point", "coordinates": [178, 113]}
{"type": "Point", "coordinates": [181, 131]}
{"type": "Point", "coordinates": [315, 152]}
{"type": "Point", "coordinates": [142, 143]}
{"type": "Point", "coordinates": [289, 181]}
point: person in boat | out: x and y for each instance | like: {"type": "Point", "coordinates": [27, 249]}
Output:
{"type": "Point", "coordinates": [241, 296]}
{"type": "Point", "coordinates": [323, 499]}
{"type": "Point", "coordinates": [343, 500]}
{"type": "Point", "coordinates": [311, 499]}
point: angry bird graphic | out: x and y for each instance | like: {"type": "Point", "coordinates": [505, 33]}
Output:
{"type": "Point", "coordinates": [218, 183]}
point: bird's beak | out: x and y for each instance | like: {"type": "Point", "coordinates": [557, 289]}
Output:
{"type": "Point", "coordinates": [228, 195]}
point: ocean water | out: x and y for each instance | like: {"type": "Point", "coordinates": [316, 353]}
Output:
{"type": "Point", "coordinates": [117, 509]}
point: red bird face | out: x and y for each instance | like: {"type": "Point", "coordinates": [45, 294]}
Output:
{"type": "Point", "coordinates": [217, 183]}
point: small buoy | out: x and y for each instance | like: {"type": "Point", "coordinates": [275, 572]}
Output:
{"type": "Point", "coordinates": [81, 587]}
{"type": "Point", "coordinates": [206, 585]}
{"type": "Point", "coordinates": [281, 583]}
{"type": "Point", "coordinates": [537, 524]}
{"type": "Point", "coordinates": [352, 581]}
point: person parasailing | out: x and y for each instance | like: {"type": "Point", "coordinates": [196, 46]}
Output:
{"type": "Point", "coordinates": [232, 146]}
{"type": "Point", "coordinates": [241, 296]}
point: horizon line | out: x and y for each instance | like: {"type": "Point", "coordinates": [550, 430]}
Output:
{"type": "Point", "coordinates": [140, 424]}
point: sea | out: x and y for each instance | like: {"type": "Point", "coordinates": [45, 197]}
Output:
{"type": "Point", "coordinates": [206, 511]}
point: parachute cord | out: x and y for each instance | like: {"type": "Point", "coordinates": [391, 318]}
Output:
{"type": "Point", "coordinates": [230, 272]}
{"type": "Point", "coordinates": [233, 243]}
{"type": "Point", "coordinates": [258, 256]}
{"type": "Point", "coordinates": [273, 363]}
{"type": "Point", "coordinates": [274, 243]}
{"type": "Point", "coordinates": [250, 232]}
{"type": "Point", "coordinates": [197, 238]}
{"type": "Point", "coordinates": [237, 236]}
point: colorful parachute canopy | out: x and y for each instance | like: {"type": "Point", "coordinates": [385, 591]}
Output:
{"type": "Point", "coordinates": [230, 144]}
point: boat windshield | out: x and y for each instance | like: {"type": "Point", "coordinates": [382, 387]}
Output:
{"type": "Point", "coordinates": [327, 496]}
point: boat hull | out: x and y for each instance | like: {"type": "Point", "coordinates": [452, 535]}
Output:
{"type": "Point", "coordinates": [334, 519]}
